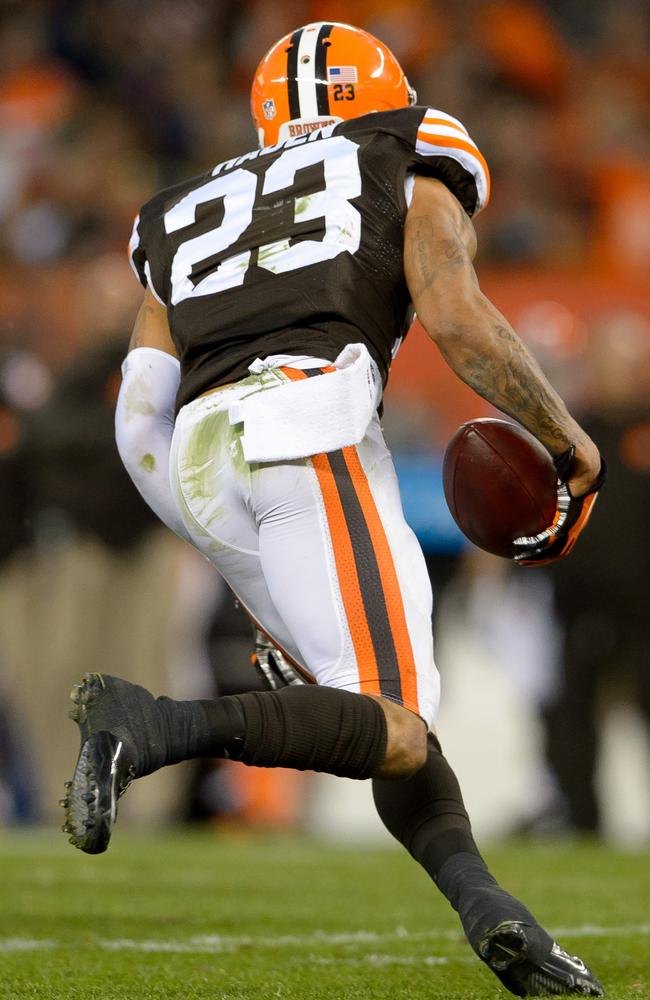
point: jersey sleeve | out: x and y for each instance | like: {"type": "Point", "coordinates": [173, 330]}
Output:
{"type": "Point", "coordinates": [138, 259]}
{"type": "Point", "coordinates": [137, 256]}
{"type": "Point", "coordinates": [444, 149]}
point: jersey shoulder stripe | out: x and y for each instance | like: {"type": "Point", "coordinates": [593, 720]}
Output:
{"type": "Point", "coordinates": [437, 145]}
{"type": "Point", "coordinates": [439, 134]}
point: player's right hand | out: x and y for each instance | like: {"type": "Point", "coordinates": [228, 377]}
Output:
{"type": "Point", "coordinates": [571, 516]}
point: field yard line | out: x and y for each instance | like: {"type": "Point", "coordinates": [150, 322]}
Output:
{"type": "Point", "coordinates": [26, 944]}
{"type": "Point", "coordinates": [594, 930]}
{"type": "Point", "coordinates": [217, 943]}
{"type": "Point", "coordinates": [378, 960]}
{"type": "Point", "coordinates": [228, 943]}
{"type": "Point", "coordinates": [225, 942]}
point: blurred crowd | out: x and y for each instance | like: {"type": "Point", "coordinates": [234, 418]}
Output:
{"type": "Point", "coordinates": [103, 102]}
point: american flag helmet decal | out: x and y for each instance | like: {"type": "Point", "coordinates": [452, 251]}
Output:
{"type": "Point", "coordinates": [342, 74]}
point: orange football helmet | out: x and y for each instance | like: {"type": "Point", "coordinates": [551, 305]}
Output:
{"type": "Point", "coordinates": [321, 74]}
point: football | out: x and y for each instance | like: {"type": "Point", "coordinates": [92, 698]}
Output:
{"type": "Point", "coordinates": [500, 483]}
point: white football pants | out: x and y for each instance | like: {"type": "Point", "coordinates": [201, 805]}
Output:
{"type": "Point", "coordinates": [317, 550]}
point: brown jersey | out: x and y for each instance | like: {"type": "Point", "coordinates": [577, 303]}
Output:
{"type": "Point", "coordinates": [297, 248]}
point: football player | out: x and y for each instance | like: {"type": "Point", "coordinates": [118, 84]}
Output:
{"type": "Point", "coordinates": [278, 286]}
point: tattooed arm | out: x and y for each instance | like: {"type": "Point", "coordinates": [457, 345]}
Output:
{"type": "Point", "coordinates": [151, 327]}
{"type": "Point", "coordinates": [475, 339]}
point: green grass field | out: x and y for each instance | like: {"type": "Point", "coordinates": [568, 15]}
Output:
{"type": "Point", "coordinates": [213, 916]}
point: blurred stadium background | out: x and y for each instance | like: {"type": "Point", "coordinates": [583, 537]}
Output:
{"type": "Point", "coordinates": [546, 675]}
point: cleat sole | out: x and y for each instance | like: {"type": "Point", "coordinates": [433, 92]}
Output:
{"type": "Point", "coordinates": [88, 817]}
{"type": "Point", "coordinates": [113, 717]}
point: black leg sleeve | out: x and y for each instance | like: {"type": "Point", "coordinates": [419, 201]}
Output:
{"type": "Point", "coordinates": [308, 728]}
{"type": "Point", "coordinates": [313, 729]}
{"type": "Point", "coordinates": [426, 814]}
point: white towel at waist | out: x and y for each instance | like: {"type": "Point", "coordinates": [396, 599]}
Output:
{"type": "Point", "coordinates": [312, 415]}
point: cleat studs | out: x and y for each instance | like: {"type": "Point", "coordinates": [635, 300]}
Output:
{"type": "Point", "coordinates": [64, 803]}
{"type": "Point", "coordinates": [67, 785]}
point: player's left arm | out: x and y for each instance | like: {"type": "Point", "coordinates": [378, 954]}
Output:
{"type": "Point", "coordinates": [144, 416]}
{"type": "Point", "coordinates": [481, 347]}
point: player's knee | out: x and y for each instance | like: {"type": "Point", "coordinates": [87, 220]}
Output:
{"type": "Point", "coordinates": [406, 745]}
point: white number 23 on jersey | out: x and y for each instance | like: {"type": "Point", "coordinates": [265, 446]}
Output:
{"type": "Point", "coordinates": [239, 189]}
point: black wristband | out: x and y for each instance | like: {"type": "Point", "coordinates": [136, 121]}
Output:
{"type": "Point", "coordinates": [563, 463]}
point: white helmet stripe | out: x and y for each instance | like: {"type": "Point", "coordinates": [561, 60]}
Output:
{"type": "Point", "coordinates": [306, 74]}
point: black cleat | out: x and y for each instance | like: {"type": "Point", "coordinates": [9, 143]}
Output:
{"type": "Point", "coordinates": [122, 738]}
{"type": "Point", "coordinates": [519, 955]}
